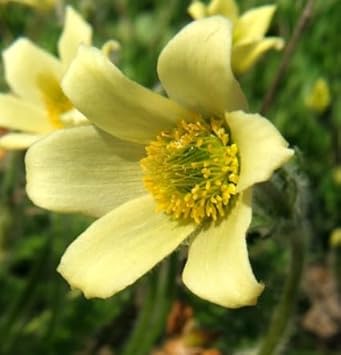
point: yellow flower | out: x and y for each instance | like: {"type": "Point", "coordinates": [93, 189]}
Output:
{"type": "Point", "coordinates": [37, 104]}
{"type": "Point", "coordinates": [38, 4]}
{"type": "Point", "coordinates": [337, 174]}
{"type": "Point", "coordinates": [318, 98]}
{"type": "Point", "coordinates": [335, 238]}
{"type": "Point", "coordinates": [196, 149]}
{"type": "Point", "coordinates": [249, 29]}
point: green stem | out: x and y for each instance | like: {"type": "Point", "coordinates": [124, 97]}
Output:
{"type": "Point", "coordinates": [142, 321]}
{"type": "Point", "coordinates": [163, 298]}
{"type": "Point", "coordinates": [150, 322]}
{"type": "Point", "coordinates": [336, 267]}
{"type": "Point", "coordinates": [285, 307]}
{"type": "Point", "coordinates": [11, 176]}
{"type": "Point", "coordinates": [287, 55]}
{"type": "Point", "coordinates": [11, 327]}
{"type": "Point", "coordinates": [56, 297]}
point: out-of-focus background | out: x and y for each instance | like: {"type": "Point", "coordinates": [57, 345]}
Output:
{"type": "Point", "coordinates": [38, 312]}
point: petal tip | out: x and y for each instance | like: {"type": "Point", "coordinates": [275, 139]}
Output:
{"type": "Point", "coordinates": [12, 50]}
{"type": "Point", "coordinates": [247, 298]}
{"type": "Point", "coordinates": [88, 292]}
{"type": "Point", "coordinates": [71, 72]}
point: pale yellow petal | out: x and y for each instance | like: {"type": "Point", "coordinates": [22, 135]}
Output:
{"type": "Point", "coordinates": [26, 65]}
{"type": "Point", "coordinates": [195, 69]}
{"type": "Point", "coordinates": [253, 24]}
{"type": "Point", "coordinates": [218, 267]}
{"type": "Point", "coordinates": [244, 56]}
{"type": "Point", "coordinates": [114, 103]}
{"type": "Point", "coordinates": [18, 141]}
{"type": "Point", "coordinates": [227, 8]}
{"type": "Point", "coordinates": [120, 247]}
{"type": "Point", "coordinates": [197, 10]}
{"type": "Point", "coordinates": [262, 149]}
{"type": "Point", "coordinates": [76, 31]}
{"type": "Point", "coordinates": [74, 118]}
{"type": "Point", "coordinates": [112, 50]}
{"type": "Point", "coordinates": [21, 115]}
{"type": "Point", "coordinates": [83, 170]}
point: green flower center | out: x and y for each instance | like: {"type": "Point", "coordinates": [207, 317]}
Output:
{"type": "Point", "coordinates": [192, 171]}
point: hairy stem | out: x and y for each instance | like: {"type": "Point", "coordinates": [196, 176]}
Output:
{"type": "Point", "coordinates": [284, 309]}
{"type": "Point", "coordinates": [153, 315]}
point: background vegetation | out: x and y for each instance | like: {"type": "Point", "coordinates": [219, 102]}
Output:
{"type": "Point", "coordinates": [39, 314]}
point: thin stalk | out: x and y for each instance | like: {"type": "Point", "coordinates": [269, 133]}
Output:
{"type": "Point", "coordinates": [11, 326]}
{"type": "Point", "coordinates": [11, 176]}
{"type": "Point", "coordinates": [56, 297]}
{"type": "Point", "coordinates": [336, 267]}
{"type": "Point", "coordinates": [287, 55]}
{"type": "Point", "coordinates": [163, 299]}
{"type": "Point", "coordinates": [142, 322]}
{"type": "Point", "coordinates": [153, 315]}
{"type": "Point", "coordinates": [282, 314]}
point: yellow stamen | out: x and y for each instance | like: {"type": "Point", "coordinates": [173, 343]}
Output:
{"type": "Point", "coordinates": [192, 170]}
{"type": "Point", "coordinates": [55, 101]}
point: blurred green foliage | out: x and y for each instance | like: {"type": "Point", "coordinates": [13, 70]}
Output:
{"type": "Point", "coordinates": [38, 313]}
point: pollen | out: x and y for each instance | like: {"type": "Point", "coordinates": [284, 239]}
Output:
{"type": "Point", "coordinates": [55, 102]}
{"type": "Point", "coordinates": [192, 171]}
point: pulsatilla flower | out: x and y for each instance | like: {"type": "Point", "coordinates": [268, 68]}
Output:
{"type": "Point", "coordinates": [249, 43]}
{"type": "Point", "coordinates": [160, 171]}
{"type": "Point", "coordinates": [37, 104]}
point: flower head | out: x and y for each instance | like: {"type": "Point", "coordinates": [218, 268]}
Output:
{"type": "Point", "coordinates": [158, 171]}
{"type": "Point", "coordinates": [37, 104]}
{"type": "Point", "coordinates": [249, 43]}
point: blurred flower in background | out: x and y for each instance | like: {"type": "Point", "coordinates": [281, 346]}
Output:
{"type": "Point", "coordinates": [337, 175]}
{"type": "Point", "coordinates": [335, 237]}
{"type": "Point", "coordinates": [318, 98]}
{"type": "Point", "coordinates": [249, 29]}
{"type": "Point", "coordinates": [37, 104]}
{"type": "Point", "coordinates": [203, 157]}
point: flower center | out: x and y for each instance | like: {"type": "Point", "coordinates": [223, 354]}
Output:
{"type": "Point", "coordinates": [192, 171]}
{"type": "Point", "coordinates": [55, 101]}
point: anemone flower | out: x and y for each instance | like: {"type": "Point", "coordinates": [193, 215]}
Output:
{"type": "Point", "coordinates": [249, 43]}
{"type": "Point", "coordinates": [36, 104]}
{"type": "Point", "coordinates": [160, 171]}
